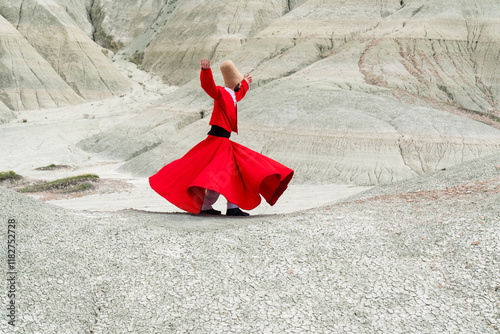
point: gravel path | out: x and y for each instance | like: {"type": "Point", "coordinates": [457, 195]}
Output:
{"type": "Point", "coordinates": [420, 256]}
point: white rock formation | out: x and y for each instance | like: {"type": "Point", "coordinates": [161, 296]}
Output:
{"type": "Point", "coordinates": [28, 80]}
{"type": "Point", "coordinates": [79, 11]}
{"type": "Point", "coordinates": [48, 27]}
{"type": "Point", "coordinates": [444, 50]}
{"type": "Point", "coordinates": [206, 29]}
{"type": "Point", "coordinates": [450, 57]}
{"type": "Point", "coordinates": [5, 113]}
{"type": "Point", "coordinates": [117, 23]}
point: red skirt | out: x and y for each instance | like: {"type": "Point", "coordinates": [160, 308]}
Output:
{"type": "Point", "coordinates": [240, 174]}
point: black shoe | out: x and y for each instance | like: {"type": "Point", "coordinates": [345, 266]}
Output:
{"type": "Point", "coordinates": [210, 212]}
{"type": "Point", "coordinates": [236, 212]}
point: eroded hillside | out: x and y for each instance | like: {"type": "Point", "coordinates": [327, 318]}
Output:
{"type": "Point", "coordinates": [363, 92]}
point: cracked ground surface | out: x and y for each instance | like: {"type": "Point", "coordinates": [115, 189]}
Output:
{"type": "Point", "coordinates": [393, 259]}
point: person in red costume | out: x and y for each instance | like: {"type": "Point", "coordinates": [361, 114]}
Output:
{"type": "Point", "coordinates": [217, 165]}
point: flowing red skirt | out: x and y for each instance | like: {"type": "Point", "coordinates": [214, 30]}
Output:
{"type": "Point", "coordinates": [233, 170]}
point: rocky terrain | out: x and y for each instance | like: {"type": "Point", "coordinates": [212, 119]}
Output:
{"type": "Point", "coordinates": [419, 256]}
{"type": "Point", "coordinates": [387, 111]}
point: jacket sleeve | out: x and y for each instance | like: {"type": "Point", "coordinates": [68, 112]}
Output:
{"type": "Point", "coordinates": [243, 90]}
{"type": "Point", "coordinates": [208, 84]}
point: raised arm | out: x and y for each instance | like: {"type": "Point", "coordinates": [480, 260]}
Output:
{"type": "Point", "coordinates": [207, 79]}
{"type": "Point", "coordinates": [247, 79]}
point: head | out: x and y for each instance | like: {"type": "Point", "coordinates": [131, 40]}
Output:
{"type": "Point", "coordinates": [232, 77]}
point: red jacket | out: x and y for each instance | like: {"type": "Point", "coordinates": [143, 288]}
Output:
{"type": "Point", "coordinates": [224, 113]}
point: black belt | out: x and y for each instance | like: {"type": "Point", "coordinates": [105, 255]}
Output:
{"type": "Point", "coordinates": [219, 132]}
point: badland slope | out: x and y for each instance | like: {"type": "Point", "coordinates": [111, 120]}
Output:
{"type": "Point", "coordinates": [49, 60]}
{"type": "Point", "coordinates": [364, 92]}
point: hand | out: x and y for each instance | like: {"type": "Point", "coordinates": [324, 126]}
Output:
{"type": "Point", "coordinates": [247, 78]}
{"type": "Point", "coordinates": [205, 64]}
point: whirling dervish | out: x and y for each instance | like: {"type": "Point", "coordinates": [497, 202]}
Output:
{"type": "Point", "coordinates": [218, 165]}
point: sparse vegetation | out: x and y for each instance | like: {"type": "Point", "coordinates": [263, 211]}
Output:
{"type": "Point", "coordinates": [107, 41]}
{"type": "Point", "coordinates": [105, 52]}
{"type": "Point", "coordinates": [52, 167]}
{"type": "Point", "coordinates": [10, 175]}
{"type": "Point", "coordinates": [137, 58]}
{"type": "Point", "coordinates": [80, 187]}
{"type": "Point", "coordinates": [114, 45]}
{"type": "Point", "coordinates": [68, 184]}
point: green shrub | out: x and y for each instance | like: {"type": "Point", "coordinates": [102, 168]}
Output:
{"type": "Point", "coordinates": [51, 167]}
{"type": "Point", "coordinates": [61, 184]}
{"type": "Point", "coordinates": [10, 175]}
